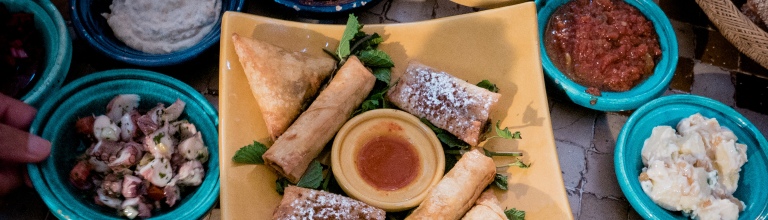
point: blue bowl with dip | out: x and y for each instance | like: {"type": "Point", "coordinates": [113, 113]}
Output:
{"type": "Point", "coordinates": [55, 121]}
{"type": "Point", "coordinates": [669, 110]}
{"type": "Point", "coordinates": [57, 46]}
{"type": "Point", "coordinates": [325, 7]}
{"type": "Point", "coordinates": [90, 25]}
{"type": "Point", "coordinates": [652, 87]}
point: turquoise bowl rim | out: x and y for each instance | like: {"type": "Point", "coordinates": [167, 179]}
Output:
{"type": "Point", "coordinates": [65, 208]}
{"type": "Point", "coordinates": [651, 88]}
{"type": "Point", "coordinates": [627, 175]}
{"type": "Point", "coordinates": [58, 50]}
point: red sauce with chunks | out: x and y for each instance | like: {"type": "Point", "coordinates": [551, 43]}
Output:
{"type": "Point", "coordinates": [603, 44]}
{"type": "Point", "coordinates": [388, 162]}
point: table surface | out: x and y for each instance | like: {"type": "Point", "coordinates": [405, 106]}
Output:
{"type": "Point", "coordinates": [709, 66]}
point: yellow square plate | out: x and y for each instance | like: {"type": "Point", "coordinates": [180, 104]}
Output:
{"type": "Point", "coordinates": [500, 45]}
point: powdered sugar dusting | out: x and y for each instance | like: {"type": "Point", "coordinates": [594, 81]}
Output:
{"type": "Point", "coordinates": [314, 204]}
{"type": "Point", "coordinates": [448, 102]}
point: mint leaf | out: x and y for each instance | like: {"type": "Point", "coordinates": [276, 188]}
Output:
{"type": "Point", "coordinates": [505, 133]}
{"type": "Point", "coordinates": [488, 85]}
{"type": "Point", "coordinates": [445, 137]}
{"type": "Point", "coordinates": [375, 58]}
{"type": "Point", "coordinates": [500, 181]}
{"type": "Point", "coordinates": [514, 214]}
{"type": "Point", "coordinates": [369, 105]}
{"type": "Point", "coordinates": [350, 31]}
{"type": "Point", "coordinates": [313, 177]}
{"type": "Point", "coordinates": [519, 163]}
{"type": "Point", "coordinates": [452, 141]}
{"type": "Point", "coordinates": [250, 154]}
{"type": "Point", "coordinates": [280, 184]}
{"type": "Point", "coordinates": [383, 74]}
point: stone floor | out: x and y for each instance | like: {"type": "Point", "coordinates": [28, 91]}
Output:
{"type": "Point", "coordinates": [708, 66]}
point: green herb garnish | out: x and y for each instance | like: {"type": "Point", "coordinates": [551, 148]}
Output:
{"type": "Point", "coordinates": [505, 133]}
{"type": "Point", "coordinates": [448, 139]}
{"type": "Point", "coordinates": [250, 154]}
{"type": "Point", "coordinates": [353, 27]}
{"type": "Point", "coordinates": [158, 137]}
{"type": "Point", "coordinates": [514, 214]}
{"type": "Point", "coordinates": [280, 184]}
{"type": "Point", "coordinates": [500, 180]}
{"type": "Point", "coordinates": [488, 85]}
{"type": "Point", "coordinates": [313, 177]}
{"type": "Point", "coordinates": [356, 42]}
{"type": "Point", "coordinates": [517, 163]}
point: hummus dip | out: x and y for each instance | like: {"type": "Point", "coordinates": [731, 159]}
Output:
{"type": "Point", "coordinates": [160, 27]}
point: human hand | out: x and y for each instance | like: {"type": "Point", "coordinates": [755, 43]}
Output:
{"type": "Point", "coordinates": [18, 147]}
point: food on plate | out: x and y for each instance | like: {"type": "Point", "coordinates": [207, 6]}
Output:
{"type": "Point", "coordinates": [139, 161]}
{"type": "Point", "coordinates": [459, 188]}
{"type": "Point", "coordinates": [21, 52]}
{"type": "Point", "coordinates": [604, 44]}
{"type": "Point", "coordinates": [487, 207]}
{"type": "Point", "coordinates": [161, 27]}
{"type": "Point", "coordinates": [303, 203]}
{"type": "Point", "coordinates": [694, 170]}
{"type": "Point", "coordinates": [447, 102]}
{"type": "Point", "coordinates": [281, 81]}
{"type": "Point", "coordinates": [292, 152]}
{"type": "Point", "coordinates": [757, 11]}
{"type": "Point", "coordinates": [388, 162]}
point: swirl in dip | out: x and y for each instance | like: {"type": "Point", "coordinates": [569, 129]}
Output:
{"type": "Point", "coordinates": [161, 27]}
{"type": "Point", "coordinates": [602, 44]}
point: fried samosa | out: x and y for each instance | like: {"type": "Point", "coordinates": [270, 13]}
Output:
{"type": "Point", "coordinates": [282, 81]}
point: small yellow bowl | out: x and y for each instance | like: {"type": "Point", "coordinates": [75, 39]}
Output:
{"type": "Point", "coordinates": [394, 124]}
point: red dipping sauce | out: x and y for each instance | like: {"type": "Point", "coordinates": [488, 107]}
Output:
{"type": "Point", "coordinates": [388, 163]}
{"type": "Point", "coordinates": [602, 44]}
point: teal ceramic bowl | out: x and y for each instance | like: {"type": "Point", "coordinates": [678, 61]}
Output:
{"type": "Point", "coordinates": [57, 44]}
{"type": "Point", "coordinates": [653, 87]}
{"type": "Point", "coordinates": [669, 110]}
{"type": "Point", "coordinates": [89, 95]}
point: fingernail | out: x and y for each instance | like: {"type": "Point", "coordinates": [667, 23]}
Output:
{"type": "Point", "coordinates": [38, 148]}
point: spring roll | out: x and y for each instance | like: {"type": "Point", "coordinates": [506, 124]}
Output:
{"type": "Point", "coordinates": [487, 207]}
{"type": "Point", "coordinates": [302, 203]}
{"type": "Point", "coordinates": [458, 189]}
{"type": "Point", "coordinates": [292, 152]}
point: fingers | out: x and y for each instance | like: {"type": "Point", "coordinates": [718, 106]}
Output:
{"type": "Point", "coordinates": [21, 147]}
{"type": "Point", "coordinates": [16, 113]}
{"type": "Point", "coordinates": [10, 178]}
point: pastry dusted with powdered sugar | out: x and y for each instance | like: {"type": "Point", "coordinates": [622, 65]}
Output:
{"type": "Point", "coordinates": [447, 102]}
{"type": "Point", "coordinates": [303, 203]}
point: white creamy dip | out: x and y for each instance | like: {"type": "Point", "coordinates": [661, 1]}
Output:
{"type": "Point", "coordinates": [162, 26]}
{"type": "Point", "coordinates": [695, 170]}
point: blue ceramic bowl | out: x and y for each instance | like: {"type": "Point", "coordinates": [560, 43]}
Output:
{"type": "Point", "coordinates": [89, 95]}
{"type": "Point", "coordinates": [296, 5]}
{"type": "Point", "coordinates": [91, 26]}
{"type": "Point", "coordinates": [58, 47]}
{"type": "Point", "coordinates": [653, 87]}
{"type": "Point", "coordinates": [669, 110]}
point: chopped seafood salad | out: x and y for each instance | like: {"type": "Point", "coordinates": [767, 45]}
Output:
{"type": "Point", "coordinates": [138, 161]}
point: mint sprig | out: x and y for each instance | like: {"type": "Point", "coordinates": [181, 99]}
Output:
{"type": "Point", "coordinates": [514, 214]}
{"type": "Point", "coordinates": [250, 154]}
{"type": "Point", "coordinates": [488, 85]}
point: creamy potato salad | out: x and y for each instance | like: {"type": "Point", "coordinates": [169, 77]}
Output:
{"type": "Point", "coordinates": [694, 169]}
